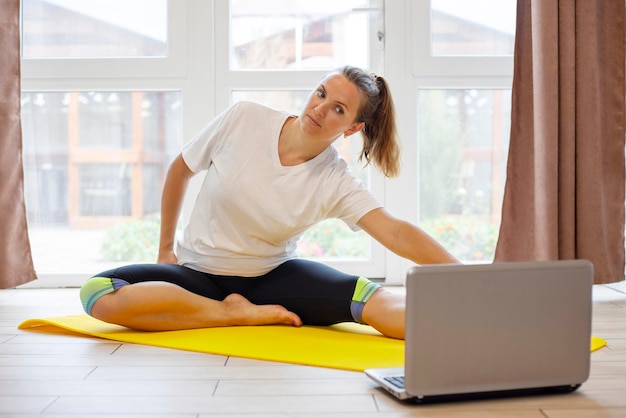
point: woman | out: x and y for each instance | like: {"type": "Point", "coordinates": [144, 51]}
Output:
{"type": "Point", "coordinates": [270, 176]}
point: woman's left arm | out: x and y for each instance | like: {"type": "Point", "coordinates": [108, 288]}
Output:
{"type": "Point", "coordinates": [404, 238]}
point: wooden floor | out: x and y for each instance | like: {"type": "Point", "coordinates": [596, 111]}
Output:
{"type": "Point", "coordinates": [66, 376]}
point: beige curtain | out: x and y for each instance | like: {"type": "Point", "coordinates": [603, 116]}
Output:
{"type": "Point", "coordinates": [16, 264]}
{"type": "Point", "coordinates": [564, 195]}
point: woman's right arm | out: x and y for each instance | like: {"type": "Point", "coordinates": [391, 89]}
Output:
{"type": "Point", "coordinates": [174, 190]}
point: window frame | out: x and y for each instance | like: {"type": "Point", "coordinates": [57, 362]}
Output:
{"type": "Point", "coordinates": [198, 67]}
{"type": "Point", "coordinates": [423, 64]}
{"type": "Point", "coordinates": [173, 65]}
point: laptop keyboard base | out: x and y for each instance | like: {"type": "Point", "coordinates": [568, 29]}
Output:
{"type": "Point", "coordinates": [397, 381]}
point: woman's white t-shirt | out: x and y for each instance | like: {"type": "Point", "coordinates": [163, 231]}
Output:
{"type": "Point", "coordinates": [251, 210]}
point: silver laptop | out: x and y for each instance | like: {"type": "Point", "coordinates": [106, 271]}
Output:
{"type": "Point", "coordinates": [475, 331]}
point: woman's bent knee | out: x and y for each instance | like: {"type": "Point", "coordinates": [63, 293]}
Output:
{"type": "Point", "coordinates": [95, 288]}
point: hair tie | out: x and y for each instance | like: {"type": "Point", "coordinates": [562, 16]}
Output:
{"type": "Point", "coordinates": [374, 77]}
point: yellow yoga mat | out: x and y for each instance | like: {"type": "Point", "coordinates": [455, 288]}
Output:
{"type": "Point", "coordinates": [343, 346]}
{"type": "Point", "coordinates": [597, 343]}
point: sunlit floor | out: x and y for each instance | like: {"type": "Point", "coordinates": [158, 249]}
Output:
{"type": "Point", "coordinates": [63, 376]}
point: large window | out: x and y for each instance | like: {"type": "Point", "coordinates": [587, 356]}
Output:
{"type": "Point", "coordinates": [463, 123]}
{"type": "Point", "coordinates": [97, 140]}
{"type": "Point", "coordinates": [113, 88]}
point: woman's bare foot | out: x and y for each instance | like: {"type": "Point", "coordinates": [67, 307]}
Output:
{"type": "Point", "coordinates": [162, 306]}
{"type": "Point", "coordinates": [244, 312]}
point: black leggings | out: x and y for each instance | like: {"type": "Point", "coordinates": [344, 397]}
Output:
{"type": "Point", "coordinates": [318, 294]}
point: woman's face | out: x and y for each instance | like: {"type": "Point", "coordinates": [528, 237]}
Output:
{"type": "Point", "coordinates": [331, 109]}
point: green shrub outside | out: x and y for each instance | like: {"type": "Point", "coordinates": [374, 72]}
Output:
{"type": "Point", "coordinates": [332, 238]}
{"type": "Point", "coordinates": [134, 241]}
{"type": "Point", "coordinates": [467, 238]}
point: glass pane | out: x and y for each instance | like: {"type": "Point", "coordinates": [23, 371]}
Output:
{"type": "Point", "coordinates": [104, 190]}
{"type": "Point", "coordinates": [94, 28]}
{"type": "Point", "coordinates": [94, 165]}
{"type": "Point", "coordinates": [472, 27]}
{"type": "Point", "coordinates": [306, 34]}
{"type": "Point", "coordinates": [330, 238]}
{"type": "Point", "coordinates": [464, 137]}
{"type": "Point", "coordinates": [105, 120]}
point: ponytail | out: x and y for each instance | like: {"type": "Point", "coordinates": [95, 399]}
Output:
{"type": "Point", "coordinates": [380, 144]}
